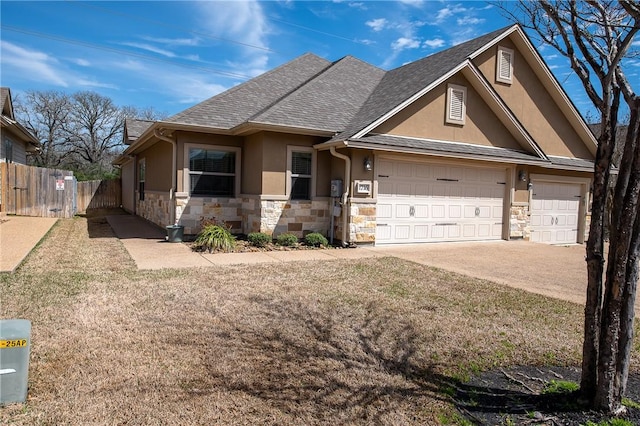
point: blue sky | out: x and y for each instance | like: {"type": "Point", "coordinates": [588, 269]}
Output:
{"type": "Point", "coordinates": [173, 54]}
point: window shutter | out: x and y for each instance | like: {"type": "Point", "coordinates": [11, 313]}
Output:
{"type": "Point", "coordinates": [504, 67]}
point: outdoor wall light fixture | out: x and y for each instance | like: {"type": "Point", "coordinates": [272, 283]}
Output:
{"type": "Point", "coordinates": [368, 165]}
{"type": "Point", "coordinates": [522, 176]}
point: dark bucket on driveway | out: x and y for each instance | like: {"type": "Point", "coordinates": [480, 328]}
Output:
{"type": "Point", "coordinates": [175, 233]}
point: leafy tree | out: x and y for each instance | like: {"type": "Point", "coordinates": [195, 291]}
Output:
{"type": "Point", "coordinates": [596, 36]}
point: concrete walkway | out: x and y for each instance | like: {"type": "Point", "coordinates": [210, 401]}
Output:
{"type": "Point", "coordinates": [554, 271]}
{"type": "Point", "coordinates": [146, 244]}
{"type": "Point", "coordinates": [18, 236]}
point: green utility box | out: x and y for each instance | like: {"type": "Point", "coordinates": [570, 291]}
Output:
{"type": "Point", "coordinates": [15, 343]}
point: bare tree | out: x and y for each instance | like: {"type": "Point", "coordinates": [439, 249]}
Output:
{"type": "Point", "coordinates": [94, 130]}
{"type": "Point", "coordinates": [45, 115]}
{"type": "Point", "coordinates": [596, 36]}
{"type": "Point", "coordinates": [148, 113]}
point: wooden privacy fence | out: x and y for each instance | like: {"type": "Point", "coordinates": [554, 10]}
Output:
{"type": "Point", "coordinates": [37, 191]}
{"type": "Point", "coordinates": [98, 194]}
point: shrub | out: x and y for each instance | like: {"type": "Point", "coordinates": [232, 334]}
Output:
{"type": "Point", "coordinates": [258, 239]}
{"type": "Point", "coordinates": [315, 239]}
{"type": "Point", "coordinates": [287, 240]}
{"type": "Point", "coordinates": [215, 237]}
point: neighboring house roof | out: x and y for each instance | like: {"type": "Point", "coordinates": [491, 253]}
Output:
{"type": "Point", "coordinates": [238, 104]}
{"type": "Point", "coordinates": [5, 102]}
{"type": "Point", "coordinates": [7, 119]}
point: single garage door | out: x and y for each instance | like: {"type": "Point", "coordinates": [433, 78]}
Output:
{"type": "Point", "coordinates": [554, 212]}
{"type": "Point", "coordinates": [420, 202]}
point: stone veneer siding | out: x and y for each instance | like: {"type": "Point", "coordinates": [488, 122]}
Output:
{"type": "Point", "coordinates": [362, 222]}
{"type": "Point", "coordinates": [297, 217]}
{"type": "Point", "coordinates": [250, 214]}
{"type": "Point", "coordinates": [155, 207]}
{"type": "Point", "coordinates": [519, 222]}
{"type": "Point", "coordinates": [191, 211]}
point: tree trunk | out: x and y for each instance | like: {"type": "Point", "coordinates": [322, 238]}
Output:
{"type": "Point", "coordinates": [595, 263]}
{"type": "Point", "coordinates": [616, 329]}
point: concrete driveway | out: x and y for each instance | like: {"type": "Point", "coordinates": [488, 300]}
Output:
{"type": "Point", "coordinates": [554, 271]}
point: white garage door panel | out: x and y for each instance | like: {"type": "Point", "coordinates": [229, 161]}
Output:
{"type": "Point", "coordinates": [425, 203]}
{"type": "Point", "coordinates": [554, 212]}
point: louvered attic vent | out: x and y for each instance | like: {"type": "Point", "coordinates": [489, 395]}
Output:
{"type": "Point", "coordinates": [504, 65]}
{"type": "Point", "coordinates": [456, 104]}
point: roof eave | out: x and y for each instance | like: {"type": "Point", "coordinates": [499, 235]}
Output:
{"type": "Point", "coordinates": [422, 151]}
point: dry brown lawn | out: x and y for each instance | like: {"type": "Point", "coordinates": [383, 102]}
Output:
{"type": "Point", "coordinates": [375, 341]}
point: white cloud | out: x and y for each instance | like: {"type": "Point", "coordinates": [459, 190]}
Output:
{"type": "Point", "coordinates": [92, 83]}
{"type": "Point", "coordinates": [184, 86]}
{"type": "Point", "coordinates": [405, 43]}
{"type": "Point", "coordinates": [243, 22]}
{"type": "Point", "coordinates": [414, 3]}
{"type": "Point", "coordinates": [636, 43]}
{"type": "Point", "coordinates": [377, 24]}
{"type": "Point", "coordinates": [433, 43]}
{"type": "Point", "coordinates": [449, 11]}
{"type": "Point", "coordinates": [150, 48]}
{"type": "Point", "coordinates": [81, 62]}
{"type": "Point", "coordinates": [469, 20]}
{"type": "Point", "coordinates": [174, 41]}
{"type": "Point", "coordinates": [32, 63]}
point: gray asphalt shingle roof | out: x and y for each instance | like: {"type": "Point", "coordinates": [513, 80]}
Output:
{"type": "Point", "coordinates": [571, 162]}
{"type": "Point", "coordinates": [327, 102]}
{"type": "Point", "coordinates": [238, 104]}
{"type": "Point", "coordinates": [4, 95]}
{"type": "Point", "coordinates": [433, 146]}
{"type": "Point", "coordinates": [134, 128]}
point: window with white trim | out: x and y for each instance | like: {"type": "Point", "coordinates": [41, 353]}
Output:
{"type": "Point", "coordinates": [504, 65]}
{"type": "Point", "coordinates": [142, 171]}
{"type": "Point", "coordinates": [300, 173]}
{"type": "Point", "coordinates": [456, 104]}
{"type": "Point", "coordinates": [213, 171]}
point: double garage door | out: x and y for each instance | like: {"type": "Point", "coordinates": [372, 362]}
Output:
{"type": "Point", "coordinates": [420, 202]}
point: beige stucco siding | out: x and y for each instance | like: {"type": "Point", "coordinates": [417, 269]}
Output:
{"type": "Point", "coordinates": [128, 178]}
{"type": "Point", "coordinates": [533, 106]}
{"type": "Point", "coordinates": [158, 166]}
{"type": "Point", "coordinates": [274, 159]}
{"type": "Point", "coordinates": [252, 159]}
{"type": "Point", "coordinates": [425, 118]}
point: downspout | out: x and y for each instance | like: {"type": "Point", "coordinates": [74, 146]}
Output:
{"type": "Point", "coordinates": [174, 158]}
{"type": "Point", "coordinates": [345, 195]}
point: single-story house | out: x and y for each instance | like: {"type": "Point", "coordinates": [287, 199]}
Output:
{"type": "Point", "coordinates": [15, 140]}
{"type": "Point", "coordinates": [476, 142]}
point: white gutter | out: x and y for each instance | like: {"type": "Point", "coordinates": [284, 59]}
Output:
{"type": "Point", "coordinates": [172, 213]}
{"type": "Point", "coordinates": [345, 195]}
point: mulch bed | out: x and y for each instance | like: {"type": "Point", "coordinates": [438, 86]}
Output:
{"type": "Point", "coordinates": [514, 397]}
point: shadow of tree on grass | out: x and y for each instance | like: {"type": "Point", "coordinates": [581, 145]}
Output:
{"type": "Point", "coordinates": [319, 365]}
